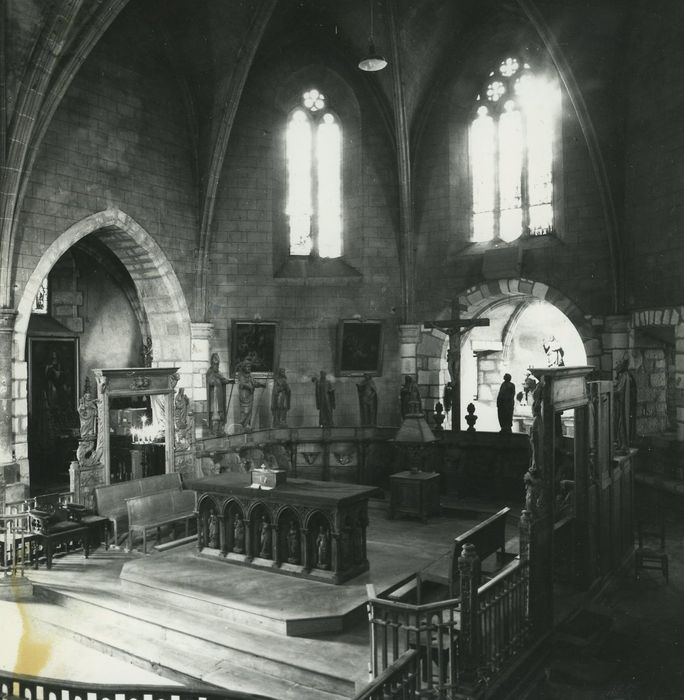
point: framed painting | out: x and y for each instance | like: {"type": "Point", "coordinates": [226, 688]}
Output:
{"type": "Point", "coordinates": [359, 347]}
{"type": "Point", "coordinates": [258, 342]}
{"type": "Point", "coordinates": [53, 374]}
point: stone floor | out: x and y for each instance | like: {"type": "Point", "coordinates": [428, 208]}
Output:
{"type": "Point", "coordinates": [635, 640]}
{"type": "Point", "coordinates": [79, 591]}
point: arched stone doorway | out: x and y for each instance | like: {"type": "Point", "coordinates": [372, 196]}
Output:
{"type": "Point", "coordinates": [514, 307]}
{"type": "Point", "coordinates": [161, 305]}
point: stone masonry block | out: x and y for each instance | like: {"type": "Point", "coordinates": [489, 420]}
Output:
{"type": "Point", "coordinates": [408, 365]}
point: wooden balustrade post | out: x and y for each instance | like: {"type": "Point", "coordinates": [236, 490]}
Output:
{"type": "Point", "coordinates": [525, 536]}
{"type": "Point", "coordinates": [469, 642]}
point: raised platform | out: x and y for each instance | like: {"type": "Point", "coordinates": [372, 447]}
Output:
{"type": "Point", "coordinates": [287, 605]}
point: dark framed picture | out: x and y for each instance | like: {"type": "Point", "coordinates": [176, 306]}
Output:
{"type": "Point", "coordinates": [258, 342]}
{"type": "Point", "coordinates": [359, 347]}
{"type": "Point", "coordinates": [53, 374]}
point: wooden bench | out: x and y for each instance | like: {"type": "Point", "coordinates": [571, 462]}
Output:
{"type": "Point", "coordinates": [488, 537]}
{"type": "Point", "coordinates": [111, 500]}
{"type": "Point", "coordinates": [158, 509]}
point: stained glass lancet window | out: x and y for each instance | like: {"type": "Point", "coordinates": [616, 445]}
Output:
{"type": "Point", "coordinates": [40, 303]}
{"type": "Point", "coordinates": [511, 153]}
{"type": "Point", "coordinates": [314, 165]}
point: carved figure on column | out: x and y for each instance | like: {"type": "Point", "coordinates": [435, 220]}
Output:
{"type": "Point", "coordinates": [505, 402]}
{"type": "Point", "coordinates": [87, 412]}
{"type": "Point", "coordinates": [216, 397]}
{"type": "Point", "coordinates": [180, 417]}
{"type": "Point", "coordinates": [264, 538]}
{"type": "Point", "coordinates": [280, 400]}
{"type": "Point", "coordinates": [146, 353]}
{"type": "Point", "coordinates": [624, 401]}
{"type": "Point", "coordinates": [293, 543]}
{"type": "Point", "coordinates": [322, 549]}
{"type": "Point", "coordinates": [238, 535]}
{"type": "Point", "coordinates": [368, 400]}
{"type": "Point", "coordinates": [325, 400]}
{"type": "Point", "coordinates": [246, 386]}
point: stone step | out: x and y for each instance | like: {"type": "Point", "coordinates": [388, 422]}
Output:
{"type": "Point", "coordinates": [302, 662]}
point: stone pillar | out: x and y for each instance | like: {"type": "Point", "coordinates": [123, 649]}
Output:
{"type": "Point", "coordinates": [409, 337]}
{"type": "Point", "coordinates": [9, 469]}
{"type": "Point", "coordinates": [199, 356]}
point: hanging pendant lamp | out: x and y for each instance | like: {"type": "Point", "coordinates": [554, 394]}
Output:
{"type": "Point", "coordinates": [372, 61]}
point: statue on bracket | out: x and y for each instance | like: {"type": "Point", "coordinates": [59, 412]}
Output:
{"type": "Point", "coordinates": [368, 400]}
{"type": "Point", "coordinates": [87, 412]}
{"type": "Point", "coordinates": [325, 400]}
{"type": "Point", "coordinates": [280, 399]}
{"type": "Point", "coordinates": [180, 418]}
{"type": "Point", "coordinates": [505, 403]}
{"type": "Point", "coordinates": [409, 397]}
{"type": "Point", "coordinates": [246, 386]}
{"type": "Point", "coordinates": [216, 397]}
{"type": "Point", "coordinates": [554, 352]}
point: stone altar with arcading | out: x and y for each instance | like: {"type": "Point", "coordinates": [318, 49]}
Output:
{"type": "Point", "coordinates": [326, 520]}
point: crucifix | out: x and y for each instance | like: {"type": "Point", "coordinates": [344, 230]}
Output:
{"type": "Point", "coordinates": [453, 327]}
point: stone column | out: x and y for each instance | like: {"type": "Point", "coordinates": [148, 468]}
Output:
{"type": "Point", "coordinates": [9, 469]}
{"type": "Point", "coordinates": [200, 356]}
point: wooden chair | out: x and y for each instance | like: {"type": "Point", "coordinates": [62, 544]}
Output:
{"type": "Point", "coordinates": [650, 552]}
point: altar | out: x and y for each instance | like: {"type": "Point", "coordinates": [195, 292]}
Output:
{"type": "Point", "coordinates": [309, 529]}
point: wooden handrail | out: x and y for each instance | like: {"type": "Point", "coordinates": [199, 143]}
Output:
{"type": "Point", "coordinates": [390, 675]}
{"type": "Point", "coordinates": [16, 685]}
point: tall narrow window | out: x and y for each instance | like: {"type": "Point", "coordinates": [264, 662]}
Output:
{"type": "Point", "coordinates": [314, 165]}
{"type": "Point", "coordinates": [511, 154]}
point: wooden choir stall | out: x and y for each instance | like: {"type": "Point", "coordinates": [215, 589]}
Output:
{"type": "Point", "coordinates": [309, 529]}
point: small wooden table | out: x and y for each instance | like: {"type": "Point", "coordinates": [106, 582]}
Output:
{"type": "Point", "coordinates": [414, 493]}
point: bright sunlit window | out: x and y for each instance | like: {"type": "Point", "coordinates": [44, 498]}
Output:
{"type": "Point", "coordinates": [314, 190]}
{"type": "Point", "coordinates": [511, 153]}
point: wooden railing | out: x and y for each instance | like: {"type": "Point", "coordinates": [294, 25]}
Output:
{"type": "Point", "coordinates": [16, 686]}
{"type": "Point", "coordinates": [15, 544]}
{"type": "Point", "coordinates": [462, 643]}
{"type": "Point", "coordinates": [398, 681]}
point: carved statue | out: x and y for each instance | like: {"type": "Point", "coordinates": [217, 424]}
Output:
{"type": "Point", "coordinates": [624, 397]}
{"type": "Point", "coordinates": [280, 400]}
{"type": "Point", "coordinates": [322, 549]}
{"type": "Point", "coordinates": [409, 397]}
{"type": "Point", "coordinates": [325, 400]}
{"type": "Point", "coordinates": [87, 411]}
{"type": "Point", "coordinates": [146, 353]}
{"type": "Point", "coordinates": [505, 402]}
{"type": "Point", "coordinates": [216, 397]}
{"type": "Point", "coordinates": [439, 416]}
{"type": "Point", "coordinates": [533, 491]}
{"type": "Point", "coordinates": [246, 386]}
{"type": "Point", "coordinates": [180, 416]}
{"type": "Point", "coordinates": [264, 538]}
{"type": "Point", "coordinates": [212, 539]}
{"type": "Point", "coordinates": [368, 400]}
{"type": "Point", "coordinates": [238, 535]}
{"type": "Point", "coordinates": [293, 543]}
{"type": "Point", "coordinates": [554, 352]}
{"type": "Point", "coordinates": [529, 386]}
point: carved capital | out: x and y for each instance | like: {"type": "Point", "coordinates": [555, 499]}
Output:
{"type": "Point", "coordinates": [7, 317]}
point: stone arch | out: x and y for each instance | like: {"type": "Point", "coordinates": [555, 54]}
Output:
{"type": "Point", "coordinates": [159, 290]}
{"type": "Point", "coordinates": [476, 301]}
